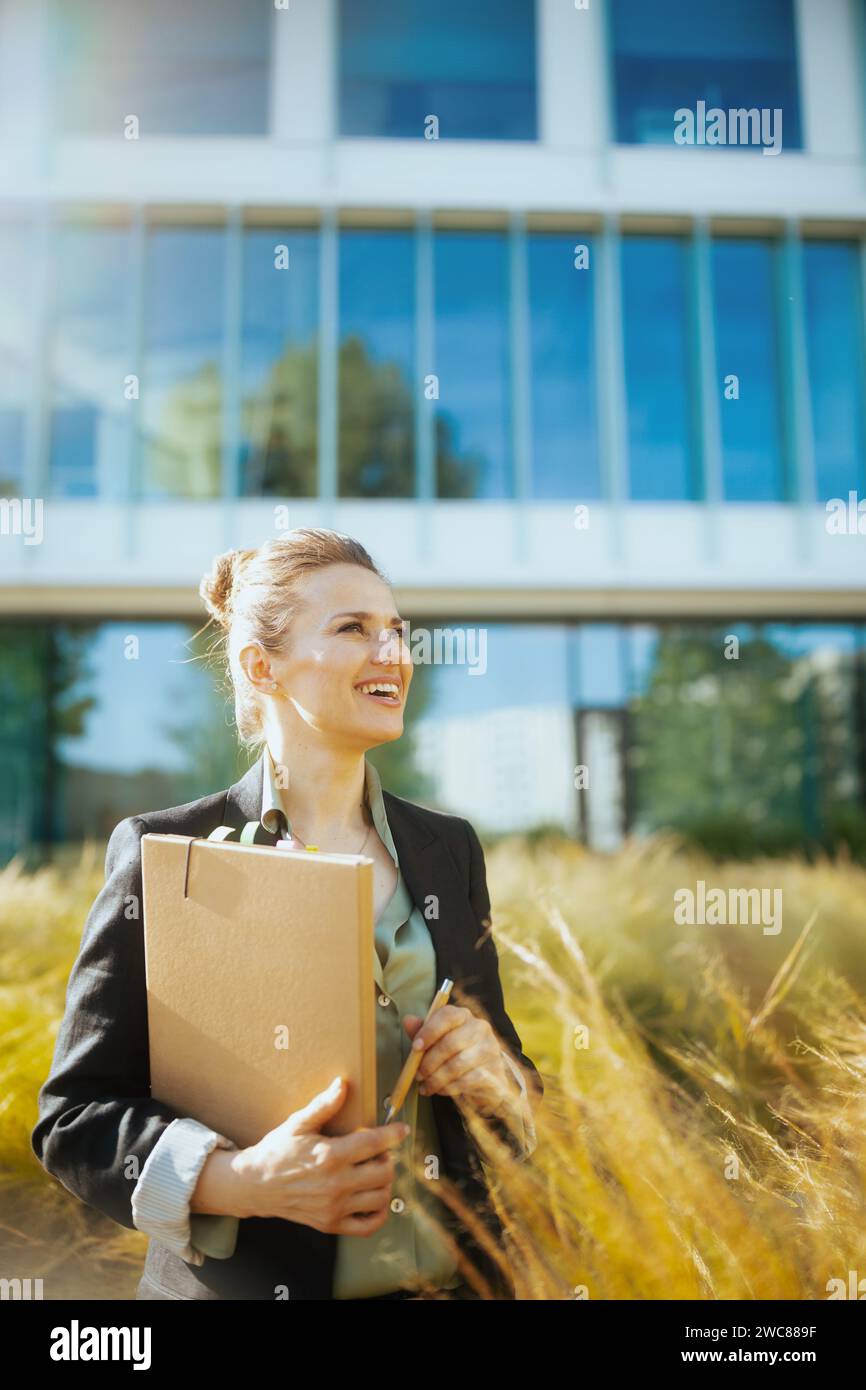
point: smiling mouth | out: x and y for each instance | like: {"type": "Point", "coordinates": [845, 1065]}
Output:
{"type": "Point", "coordinates": [382, 692]}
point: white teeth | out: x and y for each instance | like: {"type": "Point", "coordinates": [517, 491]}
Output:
{"type": "Point", "coordinates": [381, 688]}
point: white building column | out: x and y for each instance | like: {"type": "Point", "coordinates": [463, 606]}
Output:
{"type": "Point", "coordinates": [25, 97]}
{"type": "Point", "coordinates": [304, 72]}
{"type": "Point", "coordinates": [831, 109]}
{"type": "Point", "coordinates": [572, 76]}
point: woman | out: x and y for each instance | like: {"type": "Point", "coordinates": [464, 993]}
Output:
{"type": "Point", "coordinates": [321, 673]}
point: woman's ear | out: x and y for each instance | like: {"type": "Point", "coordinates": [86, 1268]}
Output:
{"type": "Point", "coordinates": [256, 666]}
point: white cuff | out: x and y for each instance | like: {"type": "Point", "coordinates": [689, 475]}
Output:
{"type": "Point", "coordinates": [529, 1138]}
{"type": "Point", "coordinates": [162, 1195]}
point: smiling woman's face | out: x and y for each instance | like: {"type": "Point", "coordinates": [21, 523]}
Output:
{"type": "Point", "coordinates": [347, 634]}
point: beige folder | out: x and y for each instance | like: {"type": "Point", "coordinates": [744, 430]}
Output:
{"type": "Point", "coordinates": [260, 983]}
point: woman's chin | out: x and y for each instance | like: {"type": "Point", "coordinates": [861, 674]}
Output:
{"type": "Point", "coordinates": [384, 730]}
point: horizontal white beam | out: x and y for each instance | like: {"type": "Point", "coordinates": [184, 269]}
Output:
{"type": "Point", "coordinates": [531, 552]}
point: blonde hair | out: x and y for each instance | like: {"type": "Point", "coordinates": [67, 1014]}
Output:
{"type": "Point", "coordinates": [255, 594]}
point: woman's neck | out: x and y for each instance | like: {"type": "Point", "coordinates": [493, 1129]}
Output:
{"type": "Point", "coordinates": [322, 790]}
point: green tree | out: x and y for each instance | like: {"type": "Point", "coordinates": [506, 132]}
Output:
{"type": "Point", "coordinates": [717, 738]}
{"type": "Point", "coordinates": [279, 427]}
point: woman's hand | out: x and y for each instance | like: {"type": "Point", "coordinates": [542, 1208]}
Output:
{"type": "Point", "coordinates": [462, 1058]}
{"type": "Point", "coordinates": [340, 1184]}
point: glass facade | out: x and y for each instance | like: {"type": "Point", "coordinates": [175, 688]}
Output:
{"type": "Point", "coordinates": [92, 333]}
{"type": "Point", "coordinates": [470, 64]}
{"type": "Point", "coordinates": [184, 361]}
{"type": "Point", "coordinates": [18, 283]}
{"type": "Point", "coordinates": [834, 318]}
{"type": "Point", "coordinates": [745, 304]}
{"type": "Point", "coordinates": [673, 54]}
{"type": "Point", "coordinates": [659, 367]}
{"type": "Point", "coordinates": [377, 399]}
{"type": "Point", "coordinates": [279, 363]}
{"type": "Point", "coordinates": [180, 67]}
{"type": "Point", "coordinates": [183, 388]}
{"type": "Point", "coordinates": [768, 748]}
{"type": "Point", "coordinates": [565, 450]}
{"type": "Point", "coordinates": [473, 423]}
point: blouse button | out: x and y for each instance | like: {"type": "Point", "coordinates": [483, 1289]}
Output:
{"type": "Point", "coordinates": [384, 1000]}
{"type": "Point", "coordinates": [397, 1205]}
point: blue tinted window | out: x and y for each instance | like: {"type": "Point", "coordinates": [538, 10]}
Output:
{"type": "Point", "coordinates": [17, 348]}
{"type": "Point", "coordinates": [500, 746]}
{"type": "Point", "coordinates": [675, 53]}
{"type": "Point", "coordinates": [377, 364]}
{"type": "Point", "coordinates": [834, 336]}
{"type": "Point", "coordinates": [799, 640]}
{"type": "Point", "coordinates": [564, 432]}
{"type": "Point", "coordinates": [182, 386]}
{"type": "Point", "coordinates": [642, 642]}
{"type": "Point", "coordinates": [744, 302]}
{"type": "Point", "coordinates": [91, 356]}
{"type": "Point", "coordinates": [657, 368]}
{"type": "Point", "coordinates": [199, 67]}
{"type": "Point", "coordinates": [133, 735]}
{"type": "Point", "coordinates": [469, 63]}
{"type": "Point", "coordinates": [279, 363]}
{"type": "Point", "coordinates": [473, 426]}
{"type": "Point", "coordinates": [600, 665]}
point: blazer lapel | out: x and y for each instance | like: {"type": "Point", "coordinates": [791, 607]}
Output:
{"type": "Point", "coordinates": [244, 803]}
{"type": "Point", "coordinates": [437, 889]}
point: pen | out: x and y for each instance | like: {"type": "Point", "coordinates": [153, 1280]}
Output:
{"type": "Point", "coordinates": [413, 1061]}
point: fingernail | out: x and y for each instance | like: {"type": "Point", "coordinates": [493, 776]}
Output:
{"type": "Point", "coordinates": [418, 1043]}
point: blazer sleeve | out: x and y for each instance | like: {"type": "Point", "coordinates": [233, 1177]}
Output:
{"type": "Point", "coordinates": [97, 1122]}
{"type": "Point", "coordinates": [493, 998]}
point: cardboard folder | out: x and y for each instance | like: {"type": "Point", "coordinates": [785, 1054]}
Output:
{"type": "Point", "coordinates": [260, 982]}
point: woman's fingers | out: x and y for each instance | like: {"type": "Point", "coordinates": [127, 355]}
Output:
{"type": "Point", "coordinates": [450, 1078]}
{"type": "Point", "coordinates": [446, 1018]}
{"type": "Point", "coordinates": [365, 1211]}
{"type": "Point", "coordinates": [362, 1144]}
{"type": "Point", "coordinates": [448, 1064]}
{"type": "Point", "coordinates": [459, 1041]}
{"type": "Point", "coordinates": [372, 1199]}
{"type": "Point", "coordinates": [372, 1173]}
{"type": "Point", "coordinates": [362, 1225]}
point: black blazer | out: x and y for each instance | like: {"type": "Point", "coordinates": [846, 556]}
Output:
{"type": "Point", "coordinates": [95, 1108]}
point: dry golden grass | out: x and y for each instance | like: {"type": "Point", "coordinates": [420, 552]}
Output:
{"type": "Point", "coordinates": [710, 1141]}
{"type": "Point", "coordinates": [704, 1127]}
{"type": "Point", "coordinates": [44, 1231]}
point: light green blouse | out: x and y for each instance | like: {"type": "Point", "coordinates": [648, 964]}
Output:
{"type": "Point", "coordinates": [407, 1251]}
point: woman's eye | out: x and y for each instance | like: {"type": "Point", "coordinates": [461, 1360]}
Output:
{"type": "Point", "coordinates": [347, 627]}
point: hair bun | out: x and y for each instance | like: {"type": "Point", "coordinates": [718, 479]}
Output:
{"type": "Point", "coordinates": [216, 587]}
